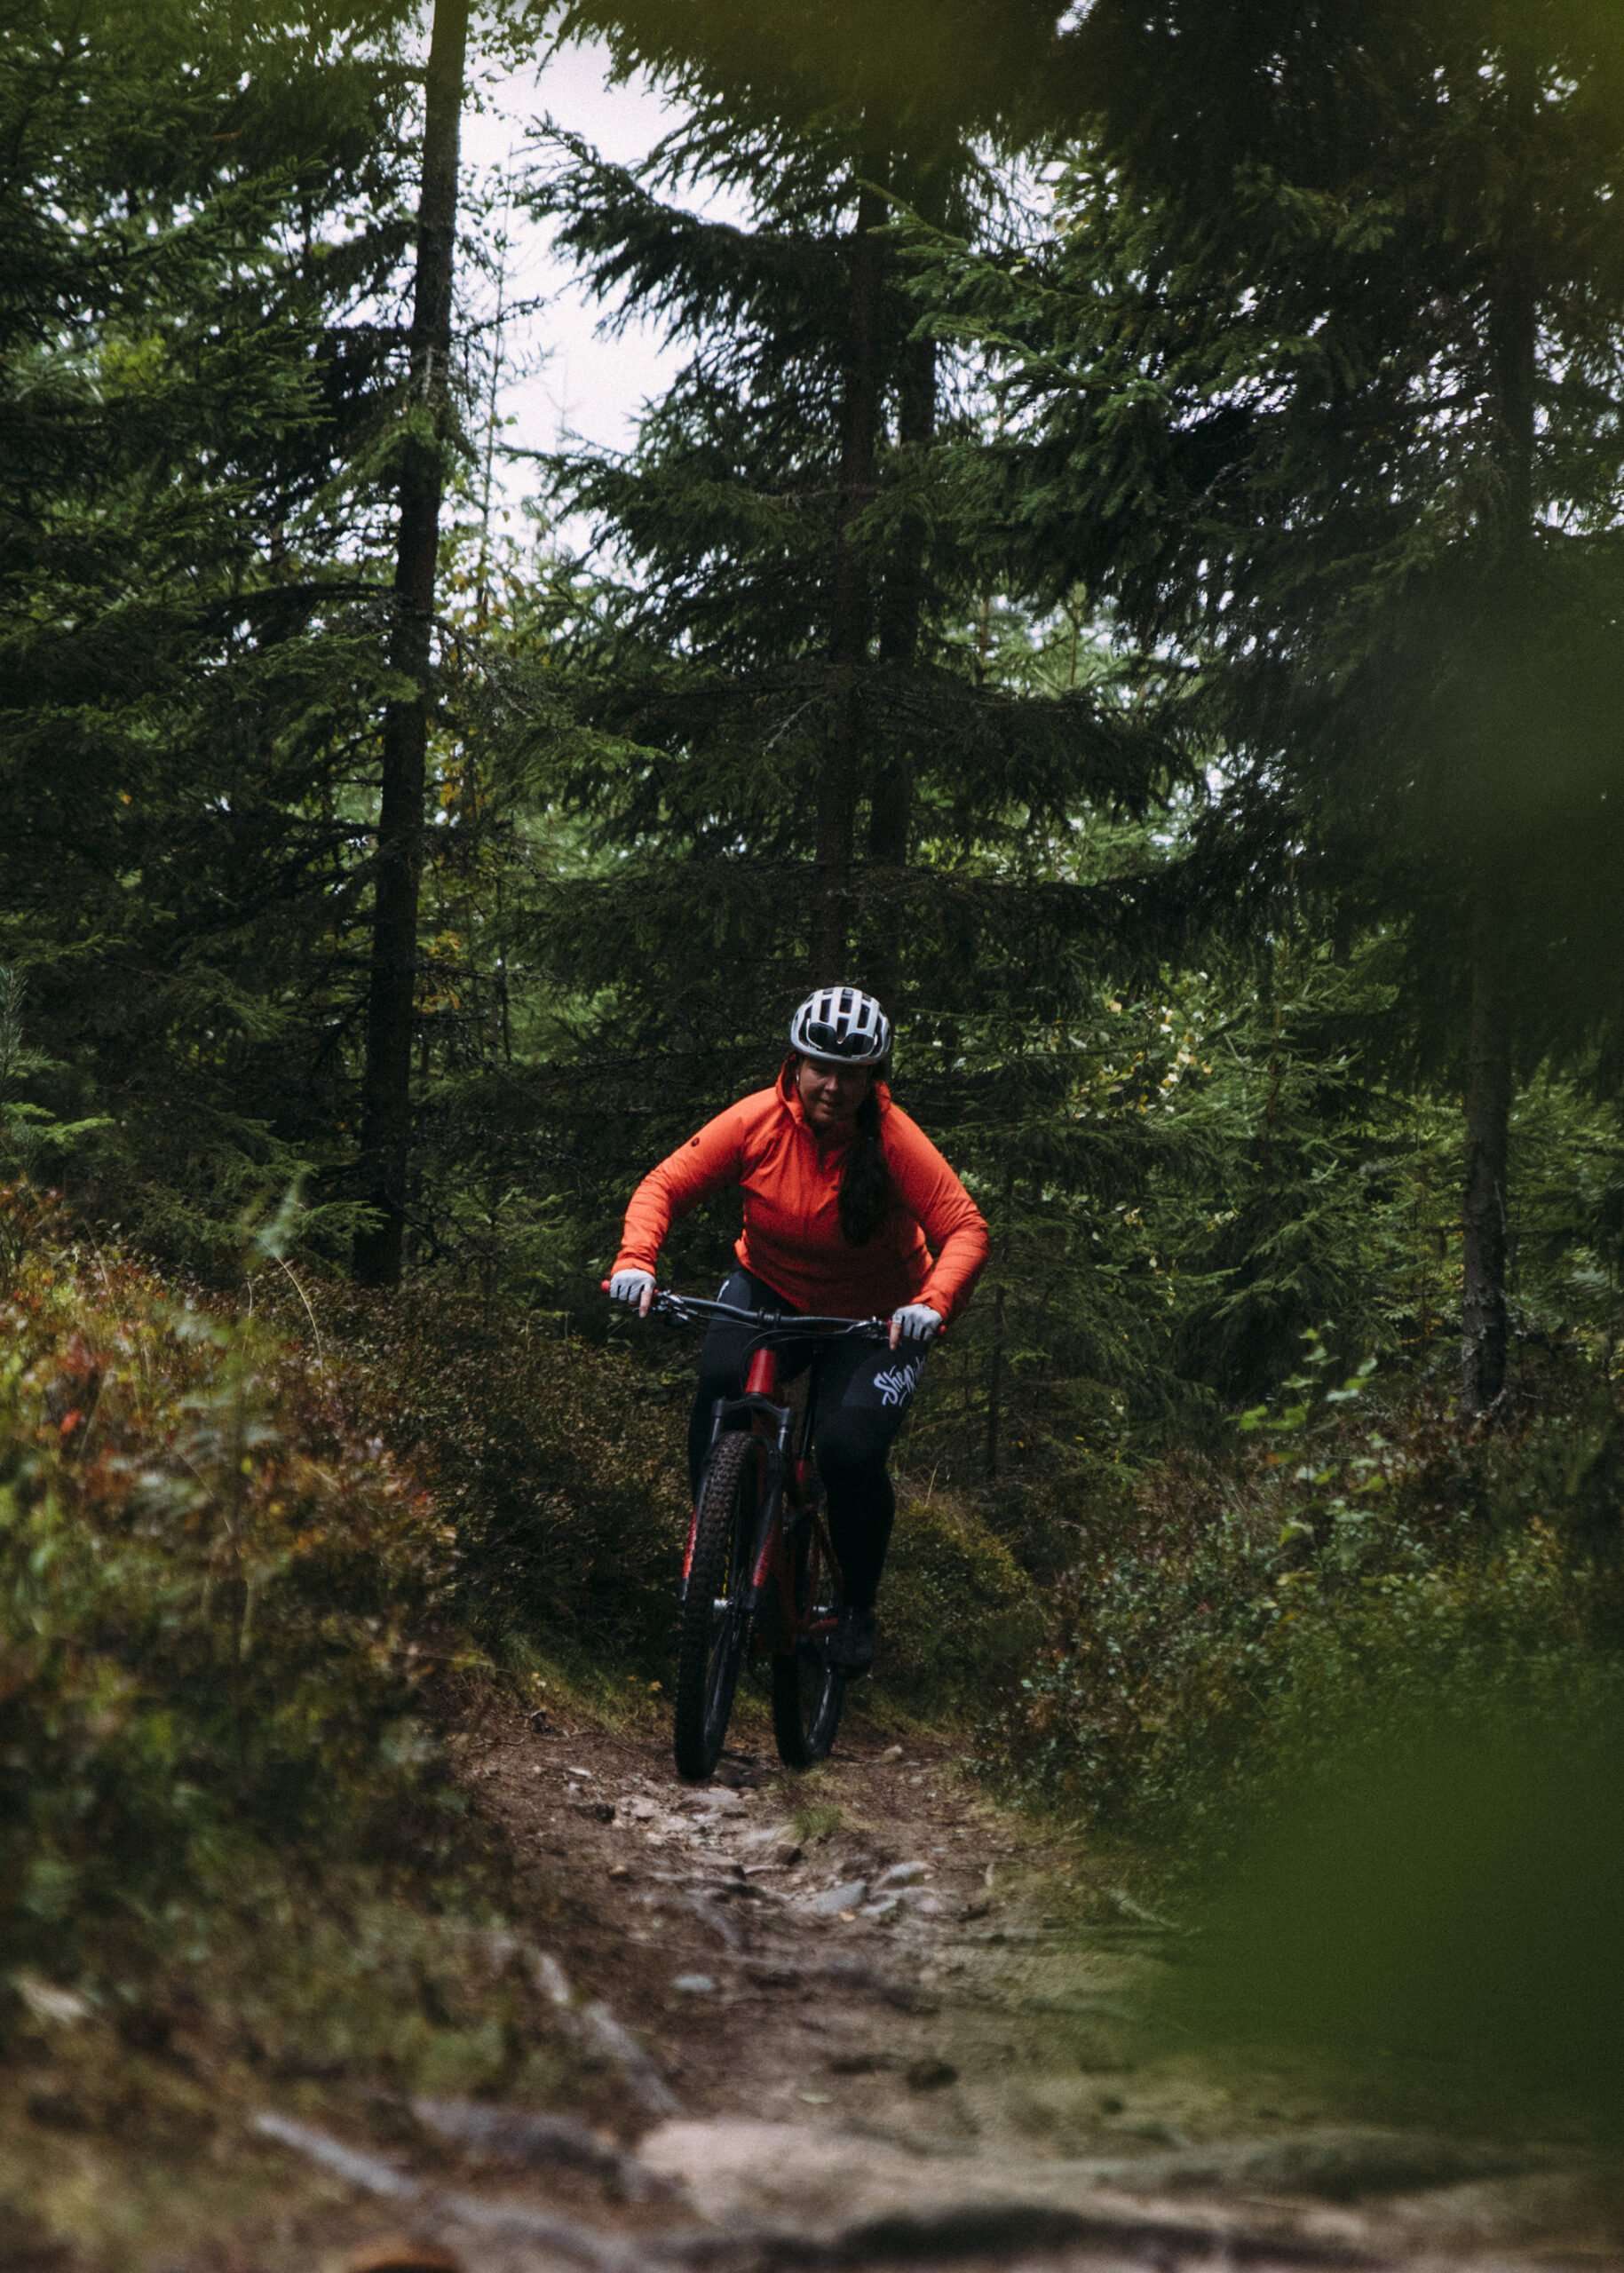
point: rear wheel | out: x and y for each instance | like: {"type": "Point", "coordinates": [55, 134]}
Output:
{"type": "Point", "coordinates": [712, 1629]}
{"type": "Point", "coordinates": [807, 1692]}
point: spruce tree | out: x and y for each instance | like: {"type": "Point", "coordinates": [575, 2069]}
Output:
{"type": "Point", "coordinates": [386, 1072]}
{"type": "Point", "coordinates": [222, 522]}
{"type": "Point", "coordinates": [784, 674]}
{"type": "Point", "coordinates": [1317, 380]}
{"type": "Point", "coordinates": [806, 739]}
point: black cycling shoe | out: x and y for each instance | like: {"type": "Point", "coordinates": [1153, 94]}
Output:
{"type": "Point", "coordinates": [851, 1643]}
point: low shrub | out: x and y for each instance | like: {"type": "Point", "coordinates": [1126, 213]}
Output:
{"type": "Point", "coordinates": [959, 1615]}
{"type": "Point", "coordinates": [1150, 1656]}
{"type": "Point", "coordinates": [559, 1464]}
{"type": "Point", "coordinates": [1352, 1573]}
{"type": "Point", "coordinates": [219, 1609]}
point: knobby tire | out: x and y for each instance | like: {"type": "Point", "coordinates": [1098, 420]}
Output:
{"type": "Point", "coordinates": [807, 1692]}
{"type": "Point", "coordinates": [711, 1643]}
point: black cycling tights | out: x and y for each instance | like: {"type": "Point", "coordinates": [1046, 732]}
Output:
{"type": "Point", "coordinates": [864, 1391]}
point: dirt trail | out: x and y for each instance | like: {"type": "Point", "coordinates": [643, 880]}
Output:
{"type": "Point", "coordinates": [853, 2019]}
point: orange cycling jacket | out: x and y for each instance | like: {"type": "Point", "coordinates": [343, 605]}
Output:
{"type": "Point", "coordinates": [792, 1237]}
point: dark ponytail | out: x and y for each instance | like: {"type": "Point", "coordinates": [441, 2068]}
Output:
{"type": "Point", "coordinates": [865, 1182]}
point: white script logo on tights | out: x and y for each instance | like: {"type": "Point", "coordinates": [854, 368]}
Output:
{"type": "Point", "coordinates": [898, 1386]}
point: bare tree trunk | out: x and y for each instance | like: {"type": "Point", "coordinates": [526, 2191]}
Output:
{"type": "Point", "coordinates": [1488, 1116]}
{"type": "Point", "coordinates": [996, 1368]}
{"type": "Point", "coordinates": [1514, 349]}
{"type": "Point", "coordinates": [385, 1131]}
{"type": "Point", "coordinates": [890, 819]}
{"type": "Point", "coordinates": [995, 1389]}
{"type": "Point", "coordinates": [852, 610]}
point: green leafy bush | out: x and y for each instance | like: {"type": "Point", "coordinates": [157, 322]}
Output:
{"type": "Point", "coordinates": [960, 1616]}
{"type": "Point", "coordinates": [216, 1606]}
{"type": "Point", "coordinates": [1350, 1573]}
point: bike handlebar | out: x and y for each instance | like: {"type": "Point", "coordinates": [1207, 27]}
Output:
{"type": "Point", "coordinates": [693, 1309]}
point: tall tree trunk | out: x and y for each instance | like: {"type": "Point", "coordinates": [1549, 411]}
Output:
{"type": "Point", "coordinates": [995, 1389]}
{"type": "Point", "coordinates": [386, 1128]}
{"type": "Point", "coordinates": [1514, 338]}
{"type": "Point", "coordinates": [1488, 1119]}
{"type": "Point", "coordinates": [852, 610]}
{"type": "Point", "coordinates": [890, 819]}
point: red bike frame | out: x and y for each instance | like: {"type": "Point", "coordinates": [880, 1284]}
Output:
{"type": "Point", "coordinates": [770, 1420]}
{"type": "Point", "coordinates": [767, 1574]}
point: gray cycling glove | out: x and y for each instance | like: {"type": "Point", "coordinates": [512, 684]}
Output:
{"type": "Point", "coordinates": [635, 1287]}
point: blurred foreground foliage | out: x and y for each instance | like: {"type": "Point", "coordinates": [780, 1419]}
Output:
{"type": "Point", "coordinates": [1436, 1913]}
{"type": "Point", "coordinates": [1354, 1691]}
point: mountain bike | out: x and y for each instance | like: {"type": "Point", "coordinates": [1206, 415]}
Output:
{"type": "Point", "coordinates": [759, 1575]}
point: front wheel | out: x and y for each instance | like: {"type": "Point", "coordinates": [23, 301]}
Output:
{"type": "Point", "coordinates": [712, 1628]}
{"type": "Point", "coordinates": [808, 1692]}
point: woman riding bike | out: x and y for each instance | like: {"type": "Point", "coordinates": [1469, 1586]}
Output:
{"type": "Point", "coordinates": [849, 1209]}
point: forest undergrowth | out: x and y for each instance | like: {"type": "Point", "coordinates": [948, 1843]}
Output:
{"type": "Point", "coordinates": [230, 1851]}
{"type": "Point", "coordinates": [1354, 1557]}
{"type": "Point", "coordinates": [261, 1554]}
{"type": "Point", "coordinates": [1351, 1692]}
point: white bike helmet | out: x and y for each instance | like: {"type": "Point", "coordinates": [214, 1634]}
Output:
{"type": "Point", "coordinates": [841, 1022]}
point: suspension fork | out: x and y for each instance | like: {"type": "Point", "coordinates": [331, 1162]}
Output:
{"type": "Point", "coordinates": [770, 1422]}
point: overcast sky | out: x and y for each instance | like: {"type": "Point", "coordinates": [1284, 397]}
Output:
{"type": "Point", "coordinates": [586, 388]}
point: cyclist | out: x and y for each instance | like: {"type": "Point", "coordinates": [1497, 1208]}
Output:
{"type": "Point", "coordinates": [849, 1211]}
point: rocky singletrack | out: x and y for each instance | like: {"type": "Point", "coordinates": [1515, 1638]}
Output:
{"type": "Point", "coordinates": [864, 2018]}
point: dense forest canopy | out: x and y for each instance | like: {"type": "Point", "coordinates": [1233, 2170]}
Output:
{"type": "Point", "coordinates": [1127, 565]}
